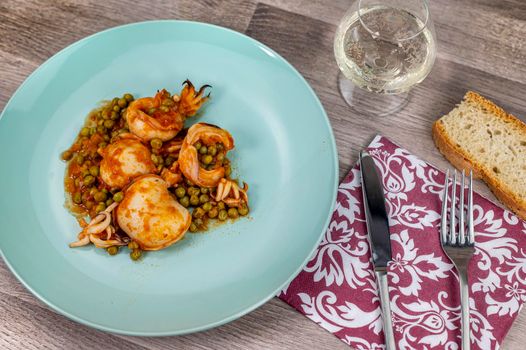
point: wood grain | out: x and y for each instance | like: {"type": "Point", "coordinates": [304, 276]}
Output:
{"type": "Point", "coordinates": [481, 47]}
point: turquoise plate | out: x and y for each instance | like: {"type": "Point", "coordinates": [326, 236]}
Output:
{"type": "Point", "coordinates": [285, 150]}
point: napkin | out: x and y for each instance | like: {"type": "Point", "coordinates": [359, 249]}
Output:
{"type": "Point", "coordinates": [337, 287]}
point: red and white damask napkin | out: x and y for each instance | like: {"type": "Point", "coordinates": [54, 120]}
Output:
{"type": "Point", "coordinates": [337, 287]}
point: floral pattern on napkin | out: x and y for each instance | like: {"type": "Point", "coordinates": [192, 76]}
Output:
{"type": "Point", "coordinates": [337, 287]}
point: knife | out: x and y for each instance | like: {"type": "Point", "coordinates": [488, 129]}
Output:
{"type": "Point", "coordinates": [379, 237]}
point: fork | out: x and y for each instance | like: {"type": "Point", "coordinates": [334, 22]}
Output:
{"type": "Point", "coordinates": [459, 247]}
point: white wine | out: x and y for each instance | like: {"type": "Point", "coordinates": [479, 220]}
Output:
{"type": "Point", "coordinates": [389, 56]}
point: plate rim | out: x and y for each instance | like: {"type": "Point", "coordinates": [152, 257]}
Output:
{"type": "Point", "coordinates": [245, 310]}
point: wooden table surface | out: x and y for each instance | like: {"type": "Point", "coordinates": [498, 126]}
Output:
{"type": "Point", "coordinates": [481, 47]}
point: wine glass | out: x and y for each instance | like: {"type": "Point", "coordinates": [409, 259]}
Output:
{"type": "Point", "coordinates": [383, 48]}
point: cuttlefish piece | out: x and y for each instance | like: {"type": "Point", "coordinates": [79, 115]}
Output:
{"type": "Point", "coordinates": [150, 215]}
{"type": "Point", "coordinates": [163, 124]}
{"type": "Point", "coordinates": [123, 160]}
{"type": "Point", "coordinates": [188, 158]}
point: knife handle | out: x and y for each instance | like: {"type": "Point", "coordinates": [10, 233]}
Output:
{"type": "Point", "coordinates": [383, 292]}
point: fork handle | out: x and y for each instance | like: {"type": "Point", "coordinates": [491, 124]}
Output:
{"type": "Point", "coordinates": [464, 304]}
{"type": "Point", "coordinates": [383, 291]}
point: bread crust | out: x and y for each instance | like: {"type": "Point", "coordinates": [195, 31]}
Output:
{"type": "Point", "coordinates": [463, 161]}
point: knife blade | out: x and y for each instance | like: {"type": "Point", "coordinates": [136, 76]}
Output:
{"type": "Point", "coordinates": [375, 213]}
{"type": "Point", "coordinates": [379, 237]}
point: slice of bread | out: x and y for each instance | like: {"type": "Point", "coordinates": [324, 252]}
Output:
{"type": "Point", "coordinates": [480, 136]}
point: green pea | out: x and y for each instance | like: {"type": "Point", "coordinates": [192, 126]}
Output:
{"type": "Point", "coordinates": [116, 108]}
{"type": "Point", "coordinates": [113, 250]}
{"type": "Point", "coordinates": [212, 213]}
{"type": "Point", "coordinates": [109, 124]}
{"type": "Point", "coordinates": [114, 115]}
{"type": "Point", "coordinates": [197, 145]}
{"type": "Point", "coordinates": [185, 201]}
{"type": "Point", "coordinates": [118, 196]}
{"type": "Point", "coordinates": [122, 102]}
{"type": "Point", "coordinates": [223, 215]}
{"type": "Point", "coordinates": [84, 131]}
{"type": "Point", "coordinates": [204, 190]}
{"type": "Point", "coordinates": [106, 114]}
{"type": "Point", "coordinates": [106, 137]}
{"type": "Point", "coordinates": [207, 159]}
{"type": "Point", "coordinates": [123, 112]}
{"type": "Point", "coordinates": [193, 191]}
{"type": "Point", "coordinates": [85, 172]}
{"type": "Point", "coordinates": [128, 97]}
{"type": "Point", "coordinates": [203, 150]}
{"type": "Point", "coordinates": [199, 222]}
{"type": "Point", "coordinates": [156, 143]}
{"type": "Point", "coordinates": [101, 129]}
{"type": "Point", "coordinates": [154, 159]}
{"type": "Point", "coordinates": [169, 161]}
{"type": "Point", "coordinates": [194, 200]}
{"type": "Point", "coordinates": [233, 213]}
{"type": "Point", "coordinates": [198, 213]}
{"type": "Point", "coordinates": [220, 157]}
{"type": "Point", "coordinates": [204, 198]}
{"type": "Point", "coordinates": [243, 210]}
{"type": "Point", "coordinates": [212, 150]}
{"type": "Point", "coordinates": [67, 155]}
{"type": "Point", "coordinates": [207, 206]}
{"type": "Point", "coordinates": [193, 227]}
{"type": "Point", "coordinates": [221, 205]}
{"type": "Point", "coordinates": [77, 198]}
{"type": "Point", "coordinates": [102, 144]}
{"type": "Point", "coordinates": [94, 170]}
{"type": "Point", "coordinates": [90, 205]}
{"type": "Point", "coordinates": [109, 202]}
{"type": "Point", "coordinates": [92, 131]}
{"type": "Point", "coordinates": [100, 197]}
{"type": "Point", "coordinates": [164, 109]}
{"type": "Point", "coordinates": [89, 180]}
{"type": "Point", "coordinates": [100, 122]}
{"type": "Point", "coordinates": [104, 190]}
{"type": "Point", "coordinates": [100, 207]}
{"type": "Point", "coordinates": [80, 159]}
{"type": "Point", "coordinates": [220, 147]}
{"type": "Point", "coordinates": [135, 254]}
{"type": "Point", "coordinates": [180, 192]}
{"type": "Point", "coordinates": [151, 111]}
{"type": "Point", "coordinates": [133, 245]}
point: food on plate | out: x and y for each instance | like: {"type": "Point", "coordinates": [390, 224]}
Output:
{"type": "Point", "coordinates": [150, 215]}
{"type": "Point", "coordinates": [123, 160]}
{"type": "Point", "coordinates": [136, 177]}
{"type": "Point", "coordinates": [481, 136]}
{"type": "Point", "coordinates": [202, 153]}
{"type": "Point", "coordinates": [162, 116]}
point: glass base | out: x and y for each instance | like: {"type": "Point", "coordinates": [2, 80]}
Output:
{"type": "Point", "coordinates": [370, 103]}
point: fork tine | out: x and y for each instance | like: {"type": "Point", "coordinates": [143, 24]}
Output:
{"type": "Point", "coordinates": [452, 219]}
{"type": "Point", "coordinates": [443, 219]}
{"type": "Point", "coordinates": [471, 229]}
{"type": "Point", "coordinates": [461, 229]}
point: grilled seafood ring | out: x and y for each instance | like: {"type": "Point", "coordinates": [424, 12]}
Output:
{"type": "Point", "coordinates": [188, 157]}
{"type": "Point", "coordinates": [154, 117]}
{"type": "Point", "coordinates": [163, 115]}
